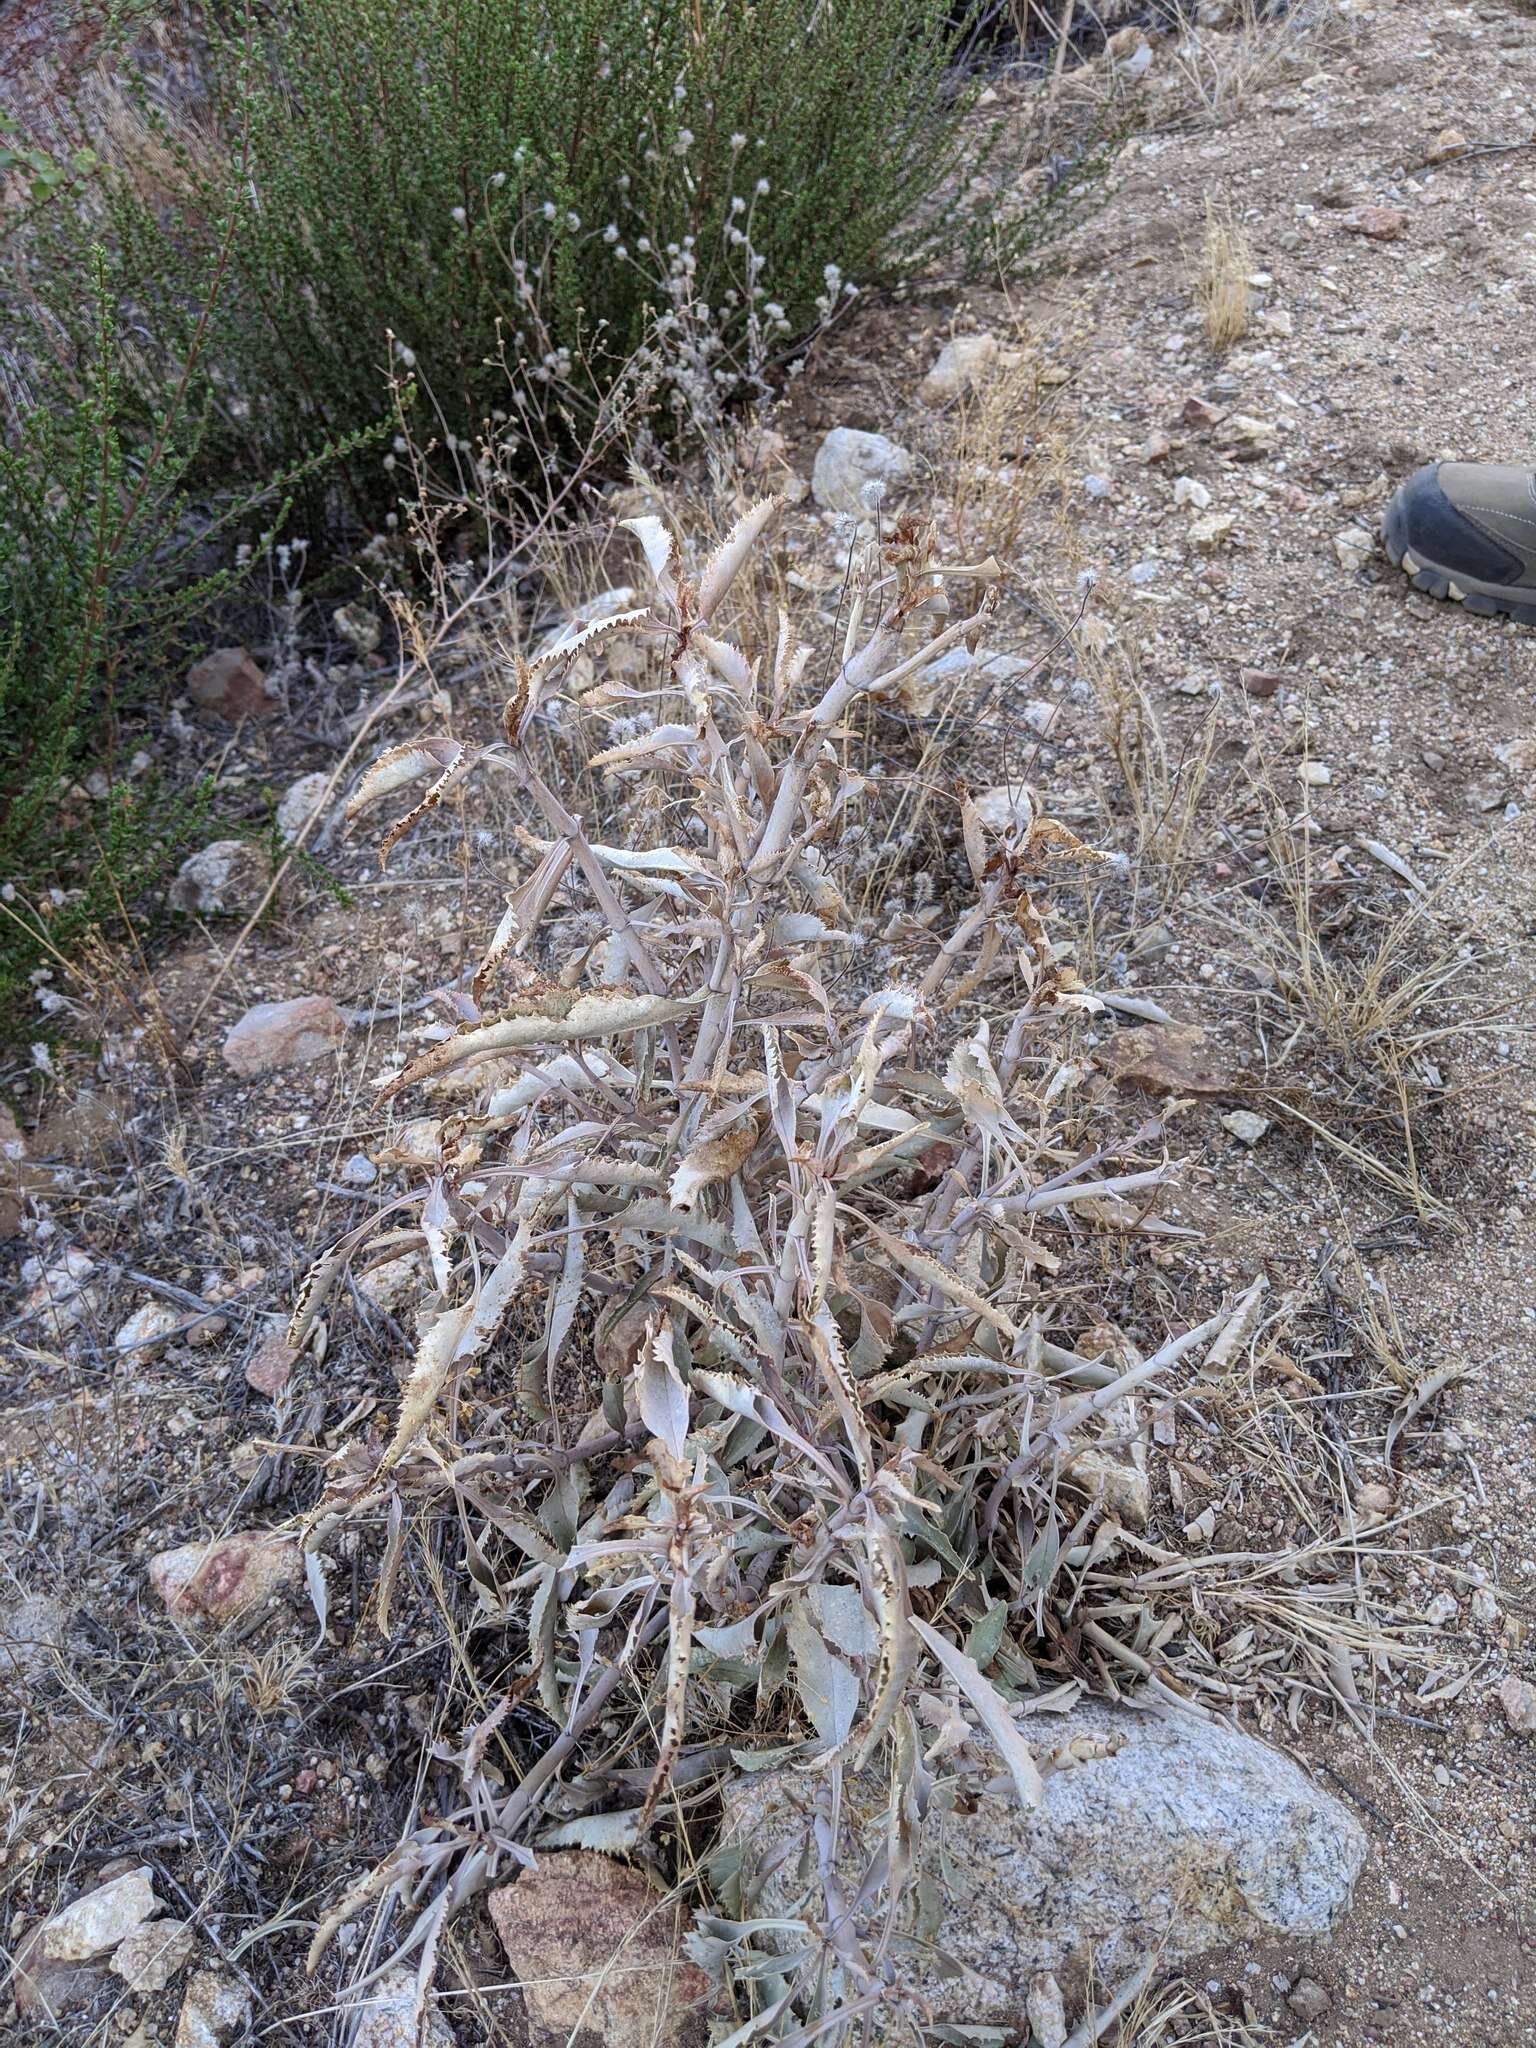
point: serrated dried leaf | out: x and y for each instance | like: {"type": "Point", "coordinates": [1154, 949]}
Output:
{"type": "Point", "coordinates": [397, 766]}
{"type": "Point", "coordinates": [727, 661]}
{"type": "Point", "coordinates": [456, 1337]}
{"type": "Point", "coordinates": [660, 553]}
{"type": "Point", "coordinates": [612, 1833]}
{"type": "Point", "coordinates": [1049, 847]}
{"type": "Point", "coordinates": [926, 1267]}
{"type": "Point", "coordinates": [898, 1644]}
{"type": "Point", "coordinates": [549, 1016]}
{"type": "Point", "coordinates": [659, 740]}
{"type": "Point", "coordinates": [713, 1160]}
{"type": "Point", "coordinates": [724, 565]}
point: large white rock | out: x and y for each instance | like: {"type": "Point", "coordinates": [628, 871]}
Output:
{"type": "Point", "coordinates": [847, 461]}
{"type": "Point", "coordinates": [1174, 1835]}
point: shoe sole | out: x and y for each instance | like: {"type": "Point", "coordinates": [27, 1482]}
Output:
{"type": "Point", "coordinates": [1486, 599]}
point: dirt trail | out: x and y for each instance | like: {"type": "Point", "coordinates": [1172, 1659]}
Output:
{"type": "Point", "coordinates": [1368, 358]}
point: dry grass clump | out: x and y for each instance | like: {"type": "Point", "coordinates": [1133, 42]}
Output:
{"type": "Point", "coordinates": [743, 1384]}
{"type": "Point", "coordinates": [1381, 1007]}
{"type": "Point", "coordinates": [1221, 282]}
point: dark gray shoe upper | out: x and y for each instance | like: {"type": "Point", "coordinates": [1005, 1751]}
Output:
{"type": "Point", "coordinates": [1472, 519]}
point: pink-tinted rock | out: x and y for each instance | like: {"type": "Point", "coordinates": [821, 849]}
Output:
{"type": "Point", "coordinates": [273, 1035]}
{"type": "Point", "coordinates": [208, 1584]}
{"type": "Point", "coordinates": [231, 684]}
{"type": "Point", "coordinates": [595, 1946]}
{"type": "Point", "coordinates": [271, 1365]}
{"type": "Point", "coordinates": [1376, 223]}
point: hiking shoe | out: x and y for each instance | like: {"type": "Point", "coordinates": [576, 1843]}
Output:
{"type": "Point", "coordinates": [1467, 530]}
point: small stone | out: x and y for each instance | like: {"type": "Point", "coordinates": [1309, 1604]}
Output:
{"type": "Point", "coordinates": [393, 1285]}
{"type": "Point", "coordinates": [1046, 2011]}
{"type": "Point", "coordinates": [1517, 1696]}
{"type": "Point", "coordinates": [1432, 761]}
{"type": "Point", "coordinates": [962, 364]}
{"type": "Point", "coordinates": [1095, 486]}
{"type": "Point", "coordinates": [1212, 530]}
{"type": "Point", "coordinates": [214, 2010]}
{"type": "Point", "coordinates": [59, 1296]}
{"type": "Point", "coordinates": [1485, 1608]}
{"type": "Point", "coordinates": [1040, 715]}
{"type": "Point", "coordinates": [1157, 447]}
{"type": "Point", "coordinates": [1261, 682]}
{"type": "Point", "coordinates": [1188, 490]}
{"type": "Point", "coordinates": [1309, 2000]}
{"type": "Point", "coordinates": [1275, 320]}
{"type": "Point", "coordinates": [152, 1955]}
{"type": "Point", "coordinates": [299, 803]}
{"type": "Point", "coordinates": [271, 1364]}
{"type": "Point", "coordinates": [1246, 436]}
{"type": "Point", "coordinates": [97, 1921]}
{"type": "Point", "coordinates": [1441, 1610]}
{"type": "Point", "coordinates": [1167, 1059]}
{"type": "Point", "coordinates": [230, 683]}
{"type": "Point", "coordinates": [1354, 547]}
{"type": "Point", "coordinates": [848, 462]}
{"type": "Point", "coordinates": [31, 1636]}
{"type": "Point", "coordinates": [290, 1034]}
{"type": "Point", "coordinates": [227, 879]}
{"type": "Point", "coordinates": [1245, 1125]}
{"type": "Point", "coordinates": [149, 1326]}
{"type": "Point", "coordinates": [1143, 573]}
{"type": "Point", "coordinates": [359, 1171]}
{"type": "Point", "coordinates": [1123, 1486]}
{"type": "Point", "coordinates": [1519, 756]}
{"type": "Point", "coordinates": [392, 2016]}
{"type": "Point", "coordinates": [1449, 143]}
{"type": "Point", "coordinates": [1376, 223]}
{"type": "Point", "coordinates": [1197, 413]}
{"type": "Point", "coordinates": [1315, 774]}
{"type": "Point", "coordinates": [1373, 1501]}
{"type": "Point", "coordinates": [1151, 944]}
{"type": "Point", "coordinates": [1202, 1529]}
{"type": "Point", "coordinates": [208, 1584]}
{"type": "Point", "coordinates": [45, 1990]}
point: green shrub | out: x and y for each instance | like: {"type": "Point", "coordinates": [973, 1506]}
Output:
{"type": "Point", "coordinates": [104, 577]}
{"type": "Point", "coordinates": [525, 188]}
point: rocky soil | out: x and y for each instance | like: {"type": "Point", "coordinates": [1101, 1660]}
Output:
{"type": "Point", "coordinates": [1204, 656]}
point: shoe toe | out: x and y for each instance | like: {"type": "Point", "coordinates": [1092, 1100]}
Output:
{"type": "Point", "coordinates": [1425, 522]}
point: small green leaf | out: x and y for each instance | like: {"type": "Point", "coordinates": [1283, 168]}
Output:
{"type": "Point", "coordinates": [981, 1644]}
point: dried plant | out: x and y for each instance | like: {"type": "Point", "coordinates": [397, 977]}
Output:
{"type": "Point", "coordinates": [741, 1375]}
{"type": "Point", "coordinates": [1221, 284]}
